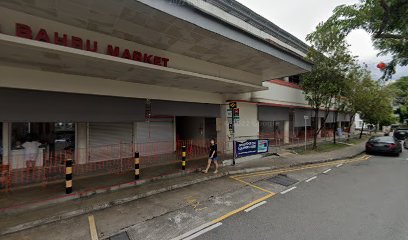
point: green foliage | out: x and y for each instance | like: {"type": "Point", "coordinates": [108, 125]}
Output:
{"type": "Point", "coordinates": [400, 87]}
{"type": "Point", "coordinates": [385, 20]}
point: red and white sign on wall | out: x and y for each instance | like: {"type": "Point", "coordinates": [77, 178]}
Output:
{"type": "Point", "coordinates": [25, 31]}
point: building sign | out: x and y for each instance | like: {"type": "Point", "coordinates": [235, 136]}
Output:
{"type": "Point", "coordinates": [232, 105]}
{"type": "Point", "coordinates": [251, 147]}
{"type": "Point", "coordinates": [25, 31]}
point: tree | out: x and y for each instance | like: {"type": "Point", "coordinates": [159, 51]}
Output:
{"type": "Point", "coordinates": [373, 102]}
{"type": "Point", "coordinates": [401, 100]}
{"type": "Point", "coordinates": [385, 20]}
{"type": "Point", "coordinates": [324, 85]}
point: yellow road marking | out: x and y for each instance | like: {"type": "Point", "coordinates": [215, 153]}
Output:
{"type": "Point", "coordinates": [242, 208]}
{"type": "Point", "coordinates": [252, 185]}
{"type": "Point", "coordinates": [273, 172]}
{"type": "Point", "coordinates": [92, 227]}
{"type": "Point", "coordinates": [270, 194]}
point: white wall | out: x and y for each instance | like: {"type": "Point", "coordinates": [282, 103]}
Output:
{"type": "Point", "coordinates": [40, 80]}
{"type": "Point", "coordinates": [279, 94]}
{"type": "Point", "coordinates": [248, 125]}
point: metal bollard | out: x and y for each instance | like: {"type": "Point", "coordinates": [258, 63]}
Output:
{"type": "Point", "coordinates": [183, 157]}
{"type": "Point", "coordinates": [137, 170]}
{"type": "Point", "coordinates": [68, 176]}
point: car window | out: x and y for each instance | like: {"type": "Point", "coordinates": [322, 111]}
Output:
{"type": "Point", "coordinates": [382, 139]}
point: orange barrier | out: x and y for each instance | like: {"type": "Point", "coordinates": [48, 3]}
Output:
{"type": "Point", "coordinates": [98, 160]}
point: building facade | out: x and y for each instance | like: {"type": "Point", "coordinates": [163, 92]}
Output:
{"type": "Point", "coordinates": [103, 79]}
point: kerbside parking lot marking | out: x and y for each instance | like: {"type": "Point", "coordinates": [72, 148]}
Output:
{"type": "Point", "coordinates": [255, 206]}
{"type": "Point", "coordinates": [328, 170]}
{"type": "Point", "coordinates": [310, 179]}
{"type": "Point", "coordinates": [203, 231]}
{"type": "Point", "coordinates": [288, 190]}
{"type": "Point", "coordinates": [341, 164]}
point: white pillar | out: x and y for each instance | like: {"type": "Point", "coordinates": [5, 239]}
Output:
{"type": "Point", "coordinates": [6, 142]}
{"type": "Point", "coordinates": [81, 146]}
{"type": "Point", "coordinates": [286, 79]}
{"type": "Point", "coordinates": [286, 132]}
{"type": "Point", "coordinates": [222, 129]}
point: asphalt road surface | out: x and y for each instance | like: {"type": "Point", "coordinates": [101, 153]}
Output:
{"type": "Point", "coordinates": [365, 200]}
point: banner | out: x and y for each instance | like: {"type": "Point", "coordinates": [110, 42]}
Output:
{"type": "Point", "coordinates": [251, 147]}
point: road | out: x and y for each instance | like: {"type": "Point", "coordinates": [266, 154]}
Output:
{"type": "Point", "coordinates": [360, 198]}
{"type": "Point", "coordinates": [365, 200]}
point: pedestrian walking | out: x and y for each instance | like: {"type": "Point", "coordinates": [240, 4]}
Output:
{"type": "Point", "coordinates": [212, 156]}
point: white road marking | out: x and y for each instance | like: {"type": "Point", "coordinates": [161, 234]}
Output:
{"type": "Point", "coordinates": [203, 231]}
{"type": "Point", "coordinates": [341, 164]}
{"type": "Point", "coordinates": [192, 231]}
{"type": "Point", "coordinates": [328, 170]}
{"type": "Point", "coordinates": [288, 190]}
{"type": "Point", "coordinates": [255, 206]}
{"type": "Point", "coordinates": [310, 179]}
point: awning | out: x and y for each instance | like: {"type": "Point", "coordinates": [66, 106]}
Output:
{"type": "Point", "coordinates": [173, 108]}
{"type": "Point", "coordinates": [38, 55]}
{"type": "Point", "coordinates": [42, 106]}
{"type": "Point", "coordinates": [272, 113]}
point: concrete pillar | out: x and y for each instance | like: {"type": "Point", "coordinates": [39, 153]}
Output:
{"type": "Point", "coordinates": [6, 137]}
{"type": "Point", "coordinates": [174, 134]}
{"type": "Point", "coordinates": [286, 79]}
{"type": "Point", "coordinates": [286, 132]}
{"type": "Point", "coordinates": [319, 124]}
{"type": "Point", "coordinates": [81, 146]}
{"type": "Point", "coordinates": [222, 129]}
{"type": "Point", "coordinates": [338, 124]}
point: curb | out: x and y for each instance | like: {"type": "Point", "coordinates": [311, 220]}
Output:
{"type": "Point", "coordinates": [116, 202]}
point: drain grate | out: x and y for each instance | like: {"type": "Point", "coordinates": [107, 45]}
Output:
{"type": "Point", "coordinates": [120, 236]}
{"type": "Point", "coordinates": [283, 180]}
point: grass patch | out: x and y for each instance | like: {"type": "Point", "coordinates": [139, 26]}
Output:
{"type": "Point", "coordinates": [328, 146]}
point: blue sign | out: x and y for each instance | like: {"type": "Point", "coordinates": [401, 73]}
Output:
{"type": "Point", "coordinates": [251, 147]}
{"type": "Point", "coordinates": [263, 146]}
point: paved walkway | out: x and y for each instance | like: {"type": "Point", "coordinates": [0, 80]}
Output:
{"type": "Point", "coordinates": [30, 215]}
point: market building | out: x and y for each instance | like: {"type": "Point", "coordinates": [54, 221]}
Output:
{"type": "Point", "coordinates": [104, 79]}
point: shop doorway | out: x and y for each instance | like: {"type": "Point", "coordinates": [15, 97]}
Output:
{"type": "Point", "coordinates": [195, 128]}
{"type": "Point", "coordinates": [53, 140]}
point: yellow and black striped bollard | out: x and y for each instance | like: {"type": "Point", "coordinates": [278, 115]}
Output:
{"type": "Point", "coordinates": [183, 157]}
{"type": "Point", "coordinates": [68, 176]}
{"type": "Point", "coordinates": [137, 171]}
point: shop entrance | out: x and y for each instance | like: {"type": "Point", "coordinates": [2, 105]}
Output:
{"type": "Point", "coordinates": [48, 143]}
{"type": "Point", "coordinates": [195, 128]}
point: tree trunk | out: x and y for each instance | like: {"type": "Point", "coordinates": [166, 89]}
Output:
{"type": "Point", "coordinates": [350, 125]}
{"type": "Point", "coordinates": [316, 129]}
{"type": "Point", "coordinates": [361, 132]}
{"type": "Point", "coordinates": [335, 127]}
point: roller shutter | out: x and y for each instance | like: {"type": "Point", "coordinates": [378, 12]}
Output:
{"type": "Point", "coordinates": [155, 137]}
{"type": "Point", "coordinates": [110, 141]}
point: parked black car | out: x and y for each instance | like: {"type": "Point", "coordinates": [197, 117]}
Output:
{"type": "Point", "coordinates": [401, 133]}
{"type": "Point", "coordinates": [384, 144]}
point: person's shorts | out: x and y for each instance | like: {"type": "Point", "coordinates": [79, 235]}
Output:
{"type": "Point", "coordinates": [214, 159]}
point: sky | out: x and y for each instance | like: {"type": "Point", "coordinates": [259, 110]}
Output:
{"type": "Point", "coordinates": [300, 17]}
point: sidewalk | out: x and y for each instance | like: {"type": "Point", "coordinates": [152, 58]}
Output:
{"type": "Point", "coordinates": [30, 215]}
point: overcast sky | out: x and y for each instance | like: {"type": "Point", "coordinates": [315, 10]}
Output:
{"type": "Point", "coordinates": [300, 17]}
